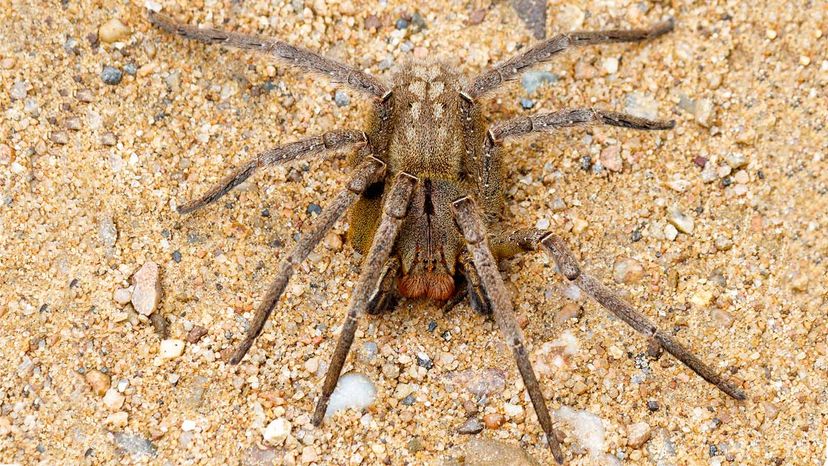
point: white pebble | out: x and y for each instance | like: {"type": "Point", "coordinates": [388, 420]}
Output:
{"type": "Point", "coordinates": [352, 391]}
{"type": "Point", "coordinates": [513, 411]}
{"type": "Point", "coordinates": [681, 221]}
{"type": "Point", "coordinates": [677, 184]}
{"type": "Point", "coordinates": [171, 349]}
{"type": "Point", "coordinates": [670, 232]}
{"type": "Point", "coordinates": [277, 431]}
{"type": "Point", "coordinates": [610, 65]}
{"type": "Point", "coordinates": [117, 420]}
{"type": "Point", "coordinates": [586, 427]}
{"type": "Point", "coordinates": [638, 434]}
{"type": "Point", "coordinates": [113, 31]}
{"type": "Point", "coordinates": [188, 425]}
{"type": "Point", "coordinates": [122, 296]}
{"type": "Point", "coordinates": [113, 399]}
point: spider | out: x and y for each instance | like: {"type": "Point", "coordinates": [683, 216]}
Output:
{"type": "Point", "coordinates": [425, 196]}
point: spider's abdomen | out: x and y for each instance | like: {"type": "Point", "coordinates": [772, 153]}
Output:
{"type": "Point", "coordinates": [426, 137]}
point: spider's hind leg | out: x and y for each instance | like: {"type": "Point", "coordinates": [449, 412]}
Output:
{"type": "Point", "coordinates": [386, 297]}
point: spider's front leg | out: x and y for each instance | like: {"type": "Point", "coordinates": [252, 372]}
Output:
{"type": "Point", "coordinates": [531, 239]}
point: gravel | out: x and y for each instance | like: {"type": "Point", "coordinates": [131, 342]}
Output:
{"type": "Point", "coordinates": [111, 75]}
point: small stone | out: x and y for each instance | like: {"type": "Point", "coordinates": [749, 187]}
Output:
{"type": "Point", "coordinates": [723, 243]}
{"type": "Point", "coordinates": [481, 451]}
{"type": "Point", "coordinates": [314, 209]}
{"type": "Point", "coordinates": [611, 158]}
{"type": "Point", "coordinates": [134, 445]}
{"type": "Point", "coordinates": [353, 391]}
{"type": "Point", "coordinates": [277, 431]}
{"type": "Point", "coordinates": [704, 112]}
{"type": "Point", "coordinates": [111, 75]}
{"type": "Point", "coordinates": [532, 80]}
{"type": "Point", "coordinates": [122, 296]}
{"type": "Point", "coordinates": [678, 185]}
{"type": "Point", "coordinates": [493, 420]}
{"type": "Point", "coordinates": [108, 139]}
{"type": "Point", "coordinates": [477, 16]}
{"type": "Point", "coordinates": [526, 103]}
{"type": "Point", "coordinates": [670, 232]}
{"type": "Point", "coordinates": [312, 365]}
{"type": "Point", "coordinates": [513, 411]}
{"type": "Point", "coordinates": [195, 334]}
{"type": "Point", "coordinates": [341, 98]}
{"type": "Point", "coordinates": [117, 420]}
{"type": "Point", "coordinates": [390, 371]}
{"type": "Point", "coordinates": [584, 71]}
{"type": "Point", "coordinates": [736, 160]}
{"type": "Point", "coordinates": [722, 318]}
{"type": "Point", "coordinates": [98, 381]}
{"type": "Point", "coordinates": [333, 241]}
{"type": "Point", "coordinates": [423, 360]}
{"type": "Point", "coordinates": [59, 137]}
{"type": "Point", "coordinates": [147, 293]}
{"type": "Point", "coordinates": [700, 161]}
{"type": "Point", "coordinates": [638, 434]}
{"type": "Point", "coordinates": [130, 69]}
{"type": "Point", "coordinates": [681, 221]}
{"type": "Point", "coordinates": [610, 65]}
{"type": "Point", "coordinates": [7, 63]}
{"type": "Point", "coordinates": [309, 454]}
{"type": "Point", "coordinates": [627, 270]}
{"type": "Point", "coordinates": [741, 177]}
{"type": "Point", "coordinates": [113, 31]}
{"type": "Point", "coordinates": [708, 174]}
{"type": "Point", "coordinates": [85, 96]}
{"type": "Point", "coordinates": [5, 426]}
{"type": "Point", "coordinates": [107, 230]}
{"type": "Point", "coordinates": [19, 90]}
{"type": "Point", "coordinates": [171, 349]}
{"type": "Point", "coordinates": [176, 256]}
{"type": "Point", "coordinates": [652, 405]}
{"type": "Point", "coordinates": [470, 407]}
{"type": "Point", "coordinates": [470, 427]}
{"type": "Point", "coordinates": [113, 399]}
{"type": "Point", "coordinates": [31, 108]}
{"type": "Point", "coordinates": [770, 34]}
{"type": "Point", "coordinates": [567, 312]}
{"type": "Point", "coordinates": [401, 23]}
{"type": "Point", "coordinates": [372, 22]}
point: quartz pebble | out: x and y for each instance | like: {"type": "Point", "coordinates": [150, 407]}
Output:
{"type": "Point", "coordinates": [171, 349]}
{"type": "Point", "coordinates": [353, 390]}
{"type": "Point", "coordinates": [532, 80]}
{"type": "Point", "coordinates": [117, 420]}
{"type": "Point", "coordinates": [611, 158]}
{"type": "Point", "coordinates": [638, 434]}
{"type": "Point", "coordinates": [627, 271]}
{"type": "Point", "coordinates": [277, 431]}
{"type": "Point", "coordinates": [642, 106]}
{"type": "Point", "coordinates": [147, 292]}
{"type": "Point", "coordinates": [98, 381]}
{"type": "Point", "coordinates": [113, 399]}
{"type": "Point", "coordinates": [122, 296]}
{"type": "Point", "coordinates": [682, 222]}
{"type": "Point", "coordinates": [471, 426]}
{"type": "Point", "coordinates": [113, 31]}
{"type": "Point", "coordinates": [703, 111]}
{"type": "Point", "coordinates": [736, 160]}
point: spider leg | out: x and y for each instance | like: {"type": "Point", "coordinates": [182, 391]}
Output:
{"type": "Point", "coordinates": [396, 207]}
{"type": "Point", "coordinates": [478, 299]}
{"type": "Point", "coordinates": [366, 173]}
{"type": "Point", "coordinates": [492, 163]}
{"type": "Point", "coordinates": [528, 240]}
{"type": "Point", "coordinates": [385, 296]}
{"type": "Point", "coordinates": [286, 53]}
{"type": "Point", "coordinates": [302, 149]}
{"type": "Point", "coordinates": [471, 226]}
{"type": "Point", "coordinates": [545, 50]}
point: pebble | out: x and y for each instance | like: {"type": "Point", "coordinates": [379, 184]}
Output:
{"type": "Point", "coordinates": [480, 451]}
{"type": "Point", "coordinates": [401, 23]}
{"type": "Point", "coordinates": [678, 185]}
{"type": "Point", "coordinates": [111, 75]}
{"type": "Point", "coordinates": [708, 174]}
{"type": "Point", "coordinates": [526, 103]}
{"type": "Point", "coordinates": [670, 232]}
{"type": "Point", "coordinates": [627, 271]}
{"type": "Point", "coordinates": [99, 381]}
{"type": "Point", "coordinates": [176, 256]}
{"type": "Point", "coordinates": [423, 360]}
{"type": "Point", "coordinates": [653, 405]}
{"type": "Point", "coordinates": [722, 318]}
{"type": "Point", "coordinates": [353, 390]}
{"type": "Point", "coordinates": [19, 90]}
{"type": "Point", "coordinates": [113, 31]}
{"type": "Point", "coordinates": [372, 22]}
{"type": "Point", "coordinates": [59, 137]}
{"type": "Point", "coordinates": [532, 80]}
{"type": "Point", "coordinates": [587, 428]}
{"type": "Point", "coordinates": [31, 108]}
{"type": "Point", "coordinates": [493, 420]}
{"type": "Point", "coordinates": [113, 399]}
{"type": "Point", "coordinates": [277, 431]}
{"type": "Point", "coordinates": [681, 221]}
{"type": "Point", "coordinates": [477, 16]}
{"type": "Point", "coordinates": [314, 209]}
{"type": "Point", "coordinates": [5, 426]}
{"type": "Point", "coordinates": [736, 160]}
{"type": "Point", "coordinates": [610, 65]}
{"type": "Point", "coordinates": [642, 106]}
{"type": "Point", "coordinates": [513, 411]}
{"type": "Point", "coordinates": [341, 98]}
{"type": "Point", "coordinates": [147, 292]}
{"type": "Point", "coordinates": [122, 296]}
{"type": "Point", "coordinates": [333, 241]}
{"type": "Point", "coordinates": [309, 454]}
{"type": "Point", "coordinates": [117, 420]}
{"type": "Point", "coordinates": [471, 426]}
{"type": "Point", "coordinates": [611, 158]}
{"type": "Point", "coordinates": [130, 69]}
{"type": "Point", "coordinates": [171, 349]}
{"type": "Point", "coordinates": [703, 111]}
{"type": "Point", "coordinates": [638, 434]}
{"type": "Point", "coordinates": [470, 407]}
{"type": "Point", "coordinates": [723, 243]}
{"type": "Point", "coordinates": [85, 96]}
{"type": "Point", "coordinates": [7, 63]}
{"type": "Point", "coordinates": [196, 334]}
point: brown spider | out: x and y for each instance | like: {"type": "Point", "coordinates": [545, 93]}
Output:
{"type": "Point", "coordinates": [426, 196]}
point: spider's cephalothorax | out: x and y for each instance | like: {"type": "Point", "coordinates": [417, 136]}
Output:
{"type": "Point", "coordinates": [425, 196]}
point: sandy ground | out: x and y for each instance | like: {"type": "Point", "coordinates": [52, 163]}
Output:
{"type": "Point", "coordinates": [90, 174]}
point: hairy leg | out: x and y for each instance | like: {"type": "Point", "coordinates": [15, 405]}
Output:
{"type": "Point", "coordinates": [366, 173]}
{"type": "Point", "coordinates": [298, 150]}
{"type": "Point", "coordinates": [471, 226]}
{"type": "Point", "coordinates": [385, 296]}
{"type": "Point", "coordinates": [286, 53]}
{"type": "Point", "coordinates": [395, 209]}
{"type": "Point", "coordinates": [546, 50]}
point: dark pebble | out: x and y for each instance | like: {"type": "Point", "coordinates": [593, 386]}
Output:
{"type": "Point", "coordinates": [73, 283]}
{"type": "Point", "coordinates": [471, 426]}
{"type": "Point", "coordinates": [652, 405]}
{"type": "Point", "coordinates": [726, 181]}
{"type": "Point", "coordinates": [418, 21]}
{"type": "Point", "coordinates": [176, 256]}
{"type": "Point", "coordinates": [586, 163]}
{"type": "Point", "coordinates": [401, 24]}
{"type": "Point", "coordinates": [159, 323]}
{"type": "Point", "coordinates": [425, 362]}
{"type": "Point", "coordinates": [314, 209]}
{"type": "Point", "coordinates": [265, 212]}
{"type": "Point", "coordinates": [636, 235]}
{"type": "Point", "coordinates": [409, 400]}
{"type": "Point", "coordinates": [432, 326]}
{"type": "Point", "coordinates": [111, 75]}
{"type": "Point", "coordinates": [130, 69]}
{"type": "Point", "coordinates": [527, 103]}
{"type": "Point", "coordinates": [700, 161]}
{"type": "Point", "coordinates": [196, 334]}
{"type": "Point", "coordinates": [712, 450]}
